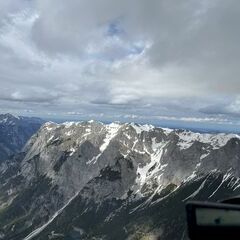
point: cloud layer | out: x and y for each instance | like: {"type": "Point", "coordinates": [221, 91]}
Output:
{"type": "Point", "coordinates": [122, 59]}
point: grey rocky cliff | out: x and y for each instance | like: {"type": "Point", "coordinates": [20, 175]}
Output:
{"type": "Point", "coordinates": [72, 154]}
{"type": "Point", "coordinates": [118, 168]}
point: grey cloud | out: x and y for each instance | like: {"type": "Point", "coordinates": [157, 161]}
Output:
{"type": "Point", "coordinates": [174, 58]}
{"type": "Point", "coordinates": [8, 7]}
{"type": "Point", "coordinates": [200, 38]}
{"type": "Point", "coordinates": [228, 108]}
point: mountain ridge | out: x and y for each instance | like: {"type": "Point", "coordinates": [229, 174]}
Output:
{"type": "Point", "coordinates": [15, 131]}
{"type": "Point", "coordinates": [88, 168]}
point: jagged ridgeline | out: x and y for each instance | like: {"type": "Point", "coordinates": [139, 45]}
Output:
{"type": "Point", "coordinates": [90, 180]}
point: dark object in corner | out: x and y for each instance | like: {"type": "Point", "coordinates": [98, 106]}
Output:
{"type": "Point", "coordinates": [210, 221]}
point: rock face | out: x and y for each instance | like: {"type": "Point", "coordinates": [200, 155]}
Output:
{"type": "Point", "coordinates": [89, 180]}
{"type": "Point", "coordinates": [15, 132]}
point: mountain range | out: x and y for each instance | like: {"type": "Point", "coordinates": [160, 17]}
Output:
{"type": "Point", "coordinates": [89, 180]}
{"type": "Point", "coordinates": [15, 131]}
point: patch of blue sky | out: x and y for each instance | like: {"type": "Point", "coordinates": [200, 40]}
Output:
{"type": "Point", "coordinates": [114, 29]}
{"type": "Point", "coordinates": [136, 49]}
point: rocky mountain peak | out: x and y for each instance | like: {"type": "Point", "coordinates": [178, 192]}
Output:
{"type": "Point", "coordinates": [79, 180]}
{"type": "Point", "coordinates": [80, 150]}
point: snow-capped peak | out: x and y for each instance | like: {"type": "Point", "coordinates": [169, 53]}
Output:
{"type": "Point", "coordinates": [142, 128]}
{"type": "Point", "coordinates": [187, 138]}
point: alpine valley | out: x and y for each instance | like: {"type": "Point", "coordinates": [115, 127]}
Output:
{"type": "Point", "coordinates": [89, 180]}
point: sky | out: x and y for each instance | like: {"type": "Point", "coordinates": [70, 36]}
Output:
{"type": "Point", "coordinates": [159, 61]}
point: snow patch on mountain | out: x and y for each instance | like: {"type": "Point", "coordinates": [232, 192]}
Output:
{"type": "Point", "coordinates": [69, 124]}
{"type": "Point", "coordinates": [196, 191]}
{"type": "Point", "coordinates": [142, 128]}
{"type": "Point", "coordinates": [154, 166]}
{"type": "Point", "coordinates": [72, 151]}
{"type": "Point", "coordinates": [111, 132]}
{"type": "Point", "coordinates": [187, 138]}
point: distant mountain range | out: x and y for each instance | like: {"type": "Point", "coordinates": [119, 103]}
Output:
{"type": "Point", "coordinates": [15, 132]}
{"type": "Point", "coordinates": [89, 180]}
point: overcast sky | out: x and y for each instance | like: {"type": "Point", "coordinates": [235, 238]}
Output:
{"type": "Point", "coordinates": [138, 60]}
